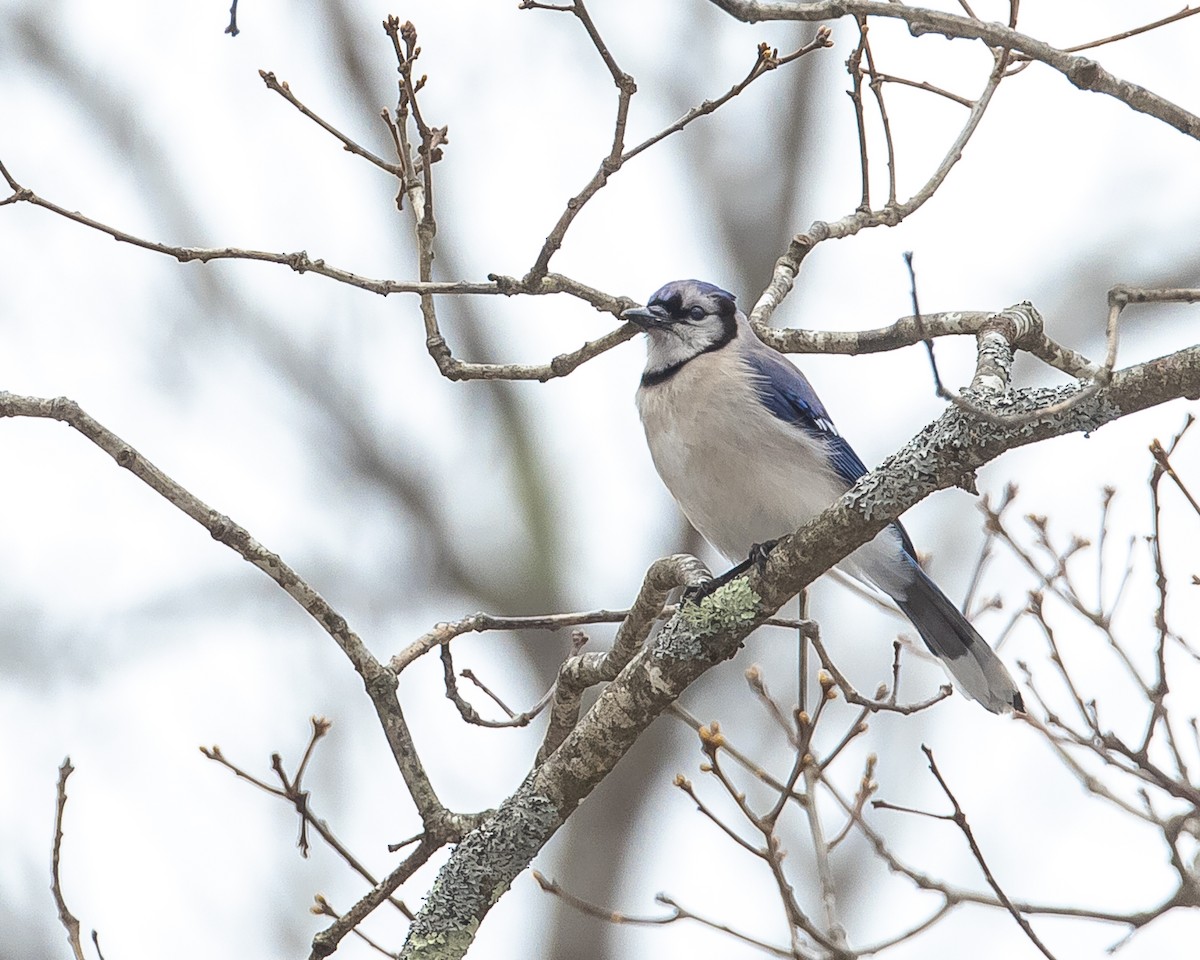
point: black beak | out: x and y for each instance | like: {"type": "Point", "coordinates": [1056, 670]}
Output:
{"type": "Point", "coordinates": [647, 318]}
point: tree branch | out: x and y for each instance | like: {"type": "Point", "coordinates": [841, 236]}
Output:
{"type": "Point", "coordinates": [1084, 73]}
{"type": "Point", "coordinates": [380, 681]}
{"type": "Point", "coordinates": [699, 637]}
{"type": "Point", "coordinates": [70, 924]}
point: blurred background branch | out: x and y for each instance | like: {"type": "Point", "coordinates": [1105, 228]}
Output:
{"type": "Point", "coordinates": [310, 412]}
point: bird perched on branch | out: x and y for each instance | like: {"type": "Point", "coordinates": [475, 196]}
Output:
{"type": "Point", "coordinates": [749, 452]}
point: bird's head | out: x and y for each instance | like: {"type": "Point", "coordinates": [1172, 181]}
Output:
{"type": "Point", "coordinates": [682, 320]}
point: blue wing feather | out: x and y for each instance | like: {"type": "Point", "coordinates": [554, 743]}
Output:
{"type": "Point", "coordinates": [786, 392]}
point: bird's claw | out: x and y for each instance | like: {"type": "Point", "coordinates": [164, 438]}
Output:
{"type": "Point", "coordinates": [698, 591]}
{"type": "Point", "coordinates": [759, 553]}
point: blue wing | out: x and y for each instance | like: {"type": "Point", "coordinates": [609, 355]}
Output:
{"type": "Point", "coordinates": [786, 392]}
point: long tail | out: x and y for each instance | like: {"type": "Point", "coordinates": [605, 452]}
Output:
{"type": "Point", "coordinates": [946, 632]}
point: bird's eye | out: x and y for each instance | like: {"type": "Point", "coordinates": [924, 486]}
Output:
{"type": "Point", "coordinates": [696, 313]}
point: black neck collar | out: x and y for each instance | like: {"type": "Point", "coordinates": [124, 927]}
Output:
{"type": "Point", "coordinates": [653, 377]}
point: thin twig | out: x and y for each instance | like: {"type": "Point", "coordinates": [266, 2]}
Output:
{"type": "Point", "coordinates": [906, 332]}
{"type": "Point", "coordinates": [742, 759]}
{"type": "Point", "coordinates": [876, 85]}
{"type": "Point", "coordinates": [1083, 72]}
{"type": "Point", "coordinates": [939, 387]}
{"type": "Point", "coordinates": [419, 184]}
{"type": "Point", "coordinates": [754, 679]}
{"type": "Point", "coordinates": [677, 913]}
{"type": "Point", "coordinates": [684, 784]}
{"type": "Point", "coordinates": [787, 267]}
{"type": "Point", "coordinates": [298, 261]}
{"type": "Point", "coordinates": [956, 896]}
{"type": "Point", "coordinates": [64, 915]}
{"type": "Point", "coordinates": [1162, 458]}
{"type": "Point", "coordinates": [443, 633]}
{"type": "Point", "coordinates": [767, 60]}
{"type": "Point", "coordinates": [467, 674]}
{"type": "Point", "coordinates": [854, 66]}
{"type": "Point", "coordinates": [470, 714]}
{"type": "Point", "coordinates": [1187, 11]}
{"type": "Point", "coordinates": [322, 908]}
{"type": "Point", "coordinates": [327, 940]}
{"type": "Point", "coordinates": [379, 681]}
{"type": "Point", "coordinates": [626, 88]}
{"type": "Point", "coordinates": [349, 145]}
{"type": "Point", "coordinates": [866, 787]}
{"type": "Point", "coordinates": [874, 705]}
{"type": "Point", "coordinates": [291, 793]}
{"type": "Point", "coordinates": [960, 819]}
{"type": "Point", "coordinates": [926, 86]}
{"type": "Point", "coordinates": [821, 851]}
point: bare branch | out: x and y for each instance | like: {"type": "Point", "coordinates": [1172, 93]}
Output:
{"type": "Point", "coordinates": [380, 681]}
{"type": "Point", "coordinates": [470, 714]}
{"type": "Point", "coordinates": [874, 705]}
{"type": "Point", "coordinates": [939, 387]}
{"type": "Point", "coordinates": [788, 266]}
{"type": "Point", "coordinates": [326, 942]}
{"type": "Point", "coordinates": [443, 633]}
{"type": "Point", "coordinates": [350, 146]}
{"type": "Point", "coordinates": [676, 914]}
{"type": "Point", "coordinates": [960, 820]}
{"type": "Point", "coordinates": [586, 670]}
{"type": "Point", "coordinates": [1188, 11]}
{"type": "Point", "coordinates": [323, 908]}
{"type": "Point", "coordinates": [298, 798]}
{"type": "Point", "coordinates": [686, 786]}
{"type": "Point", "coordinates": [70, 924]}
{"type": "Point", "coordinates": [1162, 458]}
{"type": "Point", "coordinates": [926, 86]}
{"type": "Point", "coordinates": [1083, 73]}
{"type": "Point", "coordinates": [767, 60]}
{"type": "Point", "coordinates": [907, 331]}
{"type": "Point", "coordinates": [877, 90]}
{"type": "Point", "coordinates": [854, 66]}
{"type": "Point", "coordinates": [626, 88]}
{"type": "Point", "coordinates": [697, 638]}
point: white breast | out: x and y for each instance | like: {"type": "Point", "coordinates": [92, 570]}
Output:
{"type": "Point", "coordinates": [740, 475]}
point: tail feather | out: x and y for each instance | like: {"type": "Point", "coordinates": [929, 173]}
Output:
{"type": "Point", "coordinates": [977, 670]}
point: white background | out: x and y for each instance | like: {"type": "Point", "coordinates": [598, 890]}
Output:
{"type": "Point", "coordinates": [128, 637]}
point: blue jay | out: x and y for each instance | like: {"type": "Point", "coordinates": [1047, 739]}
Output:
{"type": "Point", "coordinates": [748, 450]}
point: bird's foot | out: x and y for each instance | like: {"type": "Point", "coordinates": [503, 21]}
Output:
{"type": "Point", "coordinates": [759, 553]}
{"type": "Point", "coordinates": [698, 591]}
{"type": "Point", "coordinates": [757, 559]}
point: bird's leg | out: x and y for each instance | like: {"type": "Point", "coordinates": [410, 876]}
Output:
{"type": "Point", "coordinates": [759, 553]}
{"type": "Point", "coordinates": [758, 558]}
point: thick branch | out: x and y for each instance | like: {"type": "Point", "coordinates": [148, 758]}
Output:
{"type": "Point", "coordinates": [908, 331]}
{"type": "Point", "coordinates": [699, 637]}
{"type": "Point", "coordinates": [586, 670]}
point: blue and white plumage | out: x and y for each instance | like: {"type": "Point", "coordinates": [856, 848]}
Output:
{"type": "Point", "coordinates": [749, 452]}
